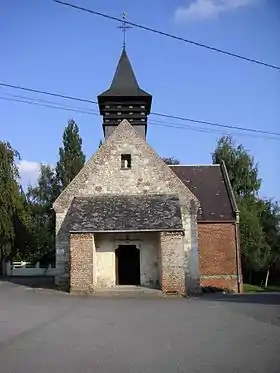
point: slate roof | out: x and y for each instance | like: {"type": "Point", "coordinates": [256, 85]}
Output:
{"type": "Point", "coordinates": [209, 185]}
{"type": "Point", "coordinates": [124, 82]}
{"type": "Point", "coordinates": [125, 213]}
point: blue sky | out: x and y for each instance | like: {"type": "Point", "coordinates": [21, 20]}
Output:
{"type": "Point", "coordinates": [50, 47]}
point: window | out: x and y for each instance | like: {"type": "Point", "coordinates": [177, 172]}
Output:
{"type": "Point", "coordinates": [119, 113]}
{"type": "Point", "coordinates": [142, 120]}
{"type": "Point", "coordinates": [130, 113]}
{"type": "Point", "coordinates": [119, 106]}
{"type": "Point", "coordinates": [125, 161]}
{"type": "Point", "coordinates": [107, 106]}
{"type": "Point", "coordinates": [142, 107]}
{"type": "Point", "coordinates": [106, 113]}
{"type": "Point", "coordinates": [130, 106]}
{"type": "Point", "coordinates": [142, 113]}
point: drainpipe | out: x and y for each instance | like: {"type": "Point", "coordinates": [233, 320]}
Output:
{"type": "Point", "coordinates": [237, 252]}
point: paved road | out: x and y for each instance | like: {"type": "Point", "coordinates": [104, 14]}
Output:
{"type": "Point", "coordinates": [46, 331]}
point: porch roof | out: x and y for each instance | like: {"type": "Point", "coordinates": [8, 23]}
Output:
{"type": "Point", "coordinates": [125, 213]}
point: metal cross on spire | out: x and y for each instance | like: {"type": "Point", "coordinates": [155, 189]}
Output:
{"type": "Point", "coordinates": [124, 27]}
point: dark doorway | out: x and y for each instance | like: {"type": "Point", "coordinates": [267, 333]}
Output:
{"type": "Point", "coordinates": [127, 265]}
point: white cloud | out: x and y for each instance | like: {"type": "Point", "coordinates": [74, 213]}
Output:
{"type": "Point", "coordinates": [29, 171]}
{"type": "Point", "coordinates": [204, 9]}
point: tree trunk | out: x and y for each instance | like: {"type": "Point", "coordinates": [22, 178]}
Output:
{"type": "Point", "coordinates": [250, 277]}
{"type": "Point", "coordinates": [266, 279]}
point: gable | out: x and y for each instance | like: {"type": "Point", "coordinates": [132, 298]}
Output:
{"type": "Point", "coordinates": [102, 174]}
{"type": "Point", "coordinates": [209, 184]}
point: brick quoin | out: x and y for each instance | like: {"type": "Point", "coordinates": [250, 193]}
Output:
{"type": "Point", "coordinates": [217, 255]}
{"type": "Point", "coordinates": [81, 262]}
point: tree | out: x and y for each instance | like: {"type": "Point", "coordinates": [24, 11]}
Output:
{"type": "Point", "coordinates": [242, 170]}
{"type": "Point", "coordinates": [9, 198]}
{"type": "Point", "coordinates": [71, 156]}
{"type": "Point", "coordinates": [243, 175]}
{"type": "Point", "coordinates": [40, 199]}
{"type": "Point", "coordinates": [270, 221]}
{"type": "Point", "coordinates": [171, 160]}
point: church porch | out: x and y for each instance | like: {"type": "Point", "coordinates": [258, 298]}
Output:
{"type": "Point", "coordinates": [104, 262]}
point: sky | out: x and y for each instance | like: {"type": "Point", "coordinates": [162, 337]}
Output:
{"type": "Point", "coordinates": [50, 47]}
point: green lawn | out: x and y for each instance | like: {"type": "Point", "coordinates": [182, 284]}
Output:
{"type": "Point", "coordinates": [248, 288]}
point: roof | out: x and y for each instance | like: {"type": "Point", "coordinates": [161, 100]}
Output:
{"type": "Point", "coordinates": [125, 213]}
{"type": "Point", "coordinates": [124, 82]}
{"type": "Point", "coordinates": [209, 185]}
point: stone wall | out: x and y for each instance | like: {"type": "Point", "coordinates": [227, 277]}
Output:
{"type": "Point", "coordinates": [81, 266]}
{"type": "Point", "coordinates": [172, 263]}
{"type": "Point", "coordinates": [217, 255]}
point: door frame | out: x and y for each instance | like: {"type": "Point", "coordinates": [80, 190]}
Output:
{"type": "Point", "coordinates": [125, 243]}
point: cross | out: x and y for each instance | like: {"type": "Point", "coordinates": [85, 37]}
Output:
{"type": "Point", "coordinates": [124, 27]}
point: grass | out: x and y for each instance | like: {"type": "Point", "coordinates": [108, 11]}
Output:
{"type": "Point", "coordinates": [248, 288]}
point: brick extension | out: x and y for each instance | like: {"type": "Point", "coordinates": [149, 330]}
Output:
{"type": "Point", "coordinates": [217, 255]}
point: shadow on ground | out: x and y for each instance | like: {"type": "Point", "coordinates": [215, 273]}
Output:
{"type": "Point", "coordinates": [45, 282]}
{"type": "Point", "coordinates": [258, 298]}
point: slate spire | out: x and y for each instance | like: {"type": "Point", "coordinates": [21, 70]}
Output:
{"type": "Point", "coordinates": [124, 82]}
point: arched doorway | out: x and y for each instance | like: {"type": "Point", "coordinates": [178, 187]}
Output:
{"type": "Point", "coordinates": [127, 265]}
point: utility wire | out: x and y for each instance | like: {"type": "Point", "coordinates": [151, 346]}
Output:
{"type": "Point", "coordinates": [239, 56]}
{"type": "Point", "coordinates": [185, 119]}
{"type": "Point", "coordinates": [88, 111]}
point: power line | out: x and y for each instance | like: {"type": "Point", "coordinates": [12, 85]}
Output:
{"type": "Point", "coordinates": [239, 56]}
{"type": "Point", "coordinates": [185, 119]}
{"type": "Point", "coordinates": [88, 111]}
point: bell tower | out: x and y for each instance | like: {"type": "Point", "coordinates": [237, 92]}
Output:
{"type": "Point", "coordinates": [124, 100]}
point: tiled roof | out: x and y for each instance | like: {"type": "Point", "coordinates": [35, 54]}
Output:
{"type": "Point", "coordinates": [125, 213]}
{"type": "Point", "coordinates": [209, 185]}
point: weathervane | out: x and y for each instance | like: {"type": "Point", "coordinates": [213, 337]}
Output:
{"type": "Point", "coordinates": [124, 27]}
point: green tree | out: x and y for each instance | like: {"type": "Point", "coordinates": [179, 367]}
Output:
{"type": "Point", "coordinates": [10, 201]}
{"type": "Point", "coordinates": [270, 221]}
{"type": "Point", "coordinates": [243, 175]}
{"type": "Point", "coordinates": [171, 160]}
{"type": "Point", "coordinates": [242, 170]}
{"type": "Point", "coordinates": [40, 199]}
{"type": "Point", "coordinates": [71, 156]}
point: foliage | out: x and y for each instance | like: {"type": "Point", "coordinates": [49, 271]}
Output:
{"type": "Point", "coordinates": [243, 172]}
{"type": "Point", "coordinates": [259, 219]}
{"type": "Point", "coordinates": [71, 156]}
{"type": "Point", "coordinates": [10, 200]}
{"type": "Point", "coordinates": [171, 160]}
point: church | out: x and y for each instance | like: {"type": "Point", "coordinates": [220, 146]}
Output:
{"type": "Point", "coordinates": [129, 219]}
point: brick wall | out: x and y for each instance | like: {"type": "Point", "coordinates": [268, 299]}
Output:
{"type": "Point", "coordinates": [217, 255]}
{"type": "Point", "coordinates": [81, 262]}
{"type": "Point", "coordinates": [172, 268]}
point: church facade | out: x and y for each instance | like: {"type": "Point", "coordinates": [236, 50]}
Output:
{"type": "Point", "coordinates": [128, 218]}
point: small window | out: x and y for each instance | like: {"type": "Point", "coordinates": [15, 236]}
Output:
{"type": "Point", "coordinates": [107, 120]}
{"type": "Point", "coordinates": [130, 106]}
{"type": "Point", "coordinates": [131, 120]}
{"type": "Point", "coordinates": [106, 113]}
{"type": "Point", "coordinates": [130, 113]}
{"type": "Point", "coordinates": [119, 106]}
{"type": "Point", "coordinates": [142, 120]}
{"type": "Point", "coordinates": [142, 107]}
{"type": "Point", "coordinates": [125, 161]}
{"type": "Point", "coordinates": [107, 106]}
{"type": "Point", "coordinates": [119, 120]}
{"type": "Point", "coordinates": [142, 113]}
{"type": "Point", "coordinates": [119, 113]}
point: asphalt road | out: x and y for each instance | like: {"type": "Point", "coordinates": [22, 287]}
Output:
{"type": "Point", "coordinates": [47, 331]}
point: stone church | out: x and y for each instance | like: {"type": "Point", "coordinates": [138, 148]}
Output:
{"type": "Point", "coordinates": [128, 218]}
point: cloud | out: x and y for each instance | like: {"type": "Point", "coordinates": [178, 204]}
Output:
{"type": "Point", "coordinates": [29, 171]}
{"type": "Point", "coordinates": [205, 9]}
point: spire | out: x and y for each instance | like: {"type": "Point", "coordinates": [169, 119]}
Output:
{"type": "Point", "coordinates": [124, 81]}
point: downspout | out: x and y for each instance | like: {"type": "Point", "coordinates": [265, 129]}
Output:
{"type": "Point", "coordinates": [237, 238]}
{"type": "Point", "coordinates": [237, 252]}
